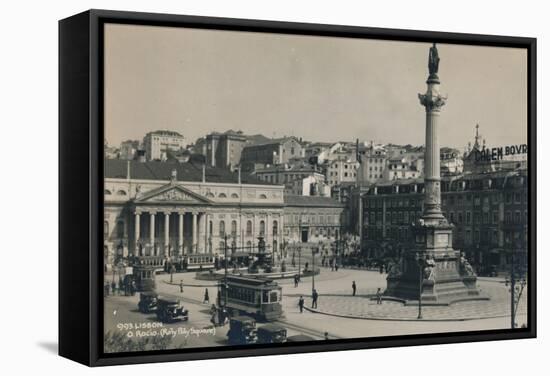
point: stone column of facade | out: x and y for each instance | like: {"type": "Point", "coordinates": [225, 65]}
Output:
{"type": "Point", "coordinates": [201, 230]}
{"type": "Point", "coordinates": [167, 234]}
{"type": "Point", "coordinates": [194, 234]}
{"type": "Point", "coordinates": [253, 229]}
{"type": "Point", "coordinates": [180, 233]}
{"type": "Point", "coordinates": [137, 233]}
{"type": "Point", "coordinates": [152, 232]}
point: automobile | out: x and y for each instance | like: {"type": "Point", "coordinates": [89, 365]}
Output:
{"type": "Point", "coordinates": [300, 338]}
{"type": "Point", "coordinates": [242, 330]}
{"type": "Point", "coordinates": [170, 310]}
{"type": "Point", "coordinates": [271, 333]}
{"type": "Point", "coordinates": [148, 301]}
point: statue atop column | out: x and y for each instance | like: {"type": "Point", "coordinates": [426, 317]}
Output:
{"type": "Point", "coordinates": [433, 62]}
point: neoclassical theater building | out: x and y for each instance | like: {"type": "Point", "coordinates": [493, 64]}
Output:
{"type": "Point", "coordinates": [171, 209]}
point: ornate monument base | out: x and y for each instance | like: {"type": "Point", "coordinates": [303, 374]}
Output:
{"type": "Point", "coordinates": [445, 275]}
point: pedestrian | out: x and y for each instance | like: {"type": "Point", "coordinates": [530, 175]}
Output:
{"type": "Point", "coordinates": [181, 286]}
{"type": "Point", "coordinates": [301, 304]}
{"type": "Point", "coordinates": [379, 296]}
{"type": "Point", "coordinates": [213, 314]}
{"type": "Point", "coordinates": [354, 287]}
{"type": "Point", "coordinates": [206, 299]}
{"type": "Point", "coordinates": [326, 336]}
{"type": "Point", "coordinates": [113, 287]}
{"type": "Point", "coordinates": [314, 297]}
{"type": "Point", "coordinates": [335, 266]}
{"type": "Point", "coordinates": [106, 289]}
{"type": "Point", "coordinates": [332, 265]}
{"type": "Point", "coordinates": [381, 268]}
{"type": "Point", "coordinates": [296, 280]}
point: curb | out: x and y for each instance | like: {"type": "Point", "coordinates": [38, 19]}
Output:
{"type": "Point", "coordinates": [380, 318]}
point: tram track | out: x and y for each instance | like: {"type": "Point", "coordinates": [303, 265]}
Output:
{"type": "Point", "coordinates": [304, 330]}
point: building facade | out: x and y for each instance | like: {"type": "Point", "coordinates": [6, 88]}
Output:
{"type": "Point", "coordinates": [488, 211]}
{"type": "Point", "coordinates": [272, 152]}
{"type": "Point", "coordinates": [341, 170]}
{"type": "Point", "coordinates": [175, 209]}
{"type": "Point", "coordinates": [128, 149]}
{"type": "Point", "coordinates": [158, 143]}
{"type": "Point", "coordinates": [313, 219]}
{"type": "Point", "coordinates": [224, 149]}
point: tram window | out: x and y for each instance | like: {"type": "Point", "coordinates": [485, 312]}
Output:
{"type": "Point", "coordinates": [273, 297]}
{"type": "Point", "coordinates": [265, 297]}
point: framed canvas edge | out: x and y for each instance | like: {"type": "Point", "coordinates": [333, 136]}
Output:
{"type": "Point", "coordinates": [97, 17]}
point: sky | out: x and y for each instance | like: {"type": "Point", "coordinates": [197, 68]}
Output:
{"type": "Point", "coordinates": [319, 88]}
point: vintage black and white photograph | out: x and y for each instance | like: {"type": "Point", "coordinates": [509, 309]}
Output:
{"type": "Point", "coordinates": [266, 188]}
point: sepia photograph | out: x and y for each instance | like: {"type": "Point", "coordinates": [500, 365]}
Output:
{"type": "Point", "coordinates": [273, 188]}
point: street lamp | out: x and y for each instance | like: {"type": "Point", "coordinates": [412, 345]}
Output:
{"type": "Point", "coordinates": [516, 286]}
{"type": "Point", "coordinates": [420, 260]}
{"type": "Point", "coordinates": [313, 252]}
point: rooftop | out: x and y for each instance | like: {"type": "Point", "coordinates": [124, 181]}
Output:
{"type": "Point", "coordinates": [292, 200]}
{"type": "Point", "coordinates": [156, 170]}
{"type": "Point", "coordinates": [165, 133]}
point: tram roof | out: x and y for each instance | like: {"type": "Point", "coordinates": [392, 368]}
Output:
{"type": "Point", "coordinates": [250, 280]}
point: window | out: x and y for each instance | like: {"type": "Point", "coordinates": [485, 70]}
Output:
{"type": "Point", "coordinates": [222, 228]}
{"type": "Point", "coordinates": [234, 228]}
{"type": "Point", "coordinates": [275, 229]}
{"type": "Point", "coordinates": [263, 197]}
{"type": "Point", "coordinates": [121, 193]}
{"type": "Point", "coordinates": [107, 192]}
{"type": "Point", "coordinates": [262, 228]}
{"type": "Point", "coordinates": [468, 217]}
{"type": "Point", "coordinates": [105, 229]}
{"type": "Point", "coordinates": [234, 195]}
{"type": "Point", "coordinates": [249, 228]}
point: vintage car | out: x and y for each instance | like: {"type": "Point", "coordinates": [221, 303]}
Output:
{"type": "Point", "coordinates": [271, 333]}
{"type": "Point", "coordinates": [300, 338]}
{"type": "Point", "coordinates": [148, 301]}
{"type": "Point", "coordinates": [170, 310]}
{"type": "Point", "coordinates": [242, 330]}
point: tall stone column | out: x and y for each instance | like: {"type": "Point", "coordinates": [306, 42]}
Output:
{"type": "Point", "coordinates": [431, 271]}
{"type": "Point", "coordinates": [180, 233]}
{"type": "Point", "coordinates": [432, 100]}
{"type": "Point", "coordinates": [137, 233]}
{"type": "Point", "coordinates": [152, 232]}
{"type": "Point", "coordinates": [167, 233]}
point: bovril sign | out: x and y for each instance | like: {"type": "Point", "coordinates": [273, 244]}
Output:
{"type": "Point", "coordinates": [499, 153]}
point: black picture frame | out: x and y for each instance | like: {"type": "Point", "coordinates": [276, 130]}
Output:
{"type": "Point", "coordinates": [81, 172]}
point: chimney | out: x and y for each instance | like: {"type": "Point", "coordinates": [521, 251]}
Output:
{"type": "Point", "coordinates": [204, 173]}
{"type": "Point", "coordinates": [239, 168]}
{"type": "Point", "coordinates": [128, 170]}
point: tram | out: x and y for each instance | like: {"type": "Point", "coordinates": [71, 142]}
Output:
{"type": "Point", "coordinates": [197, 261]}
{"type": "Point", "coordinates": [255, 296]}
